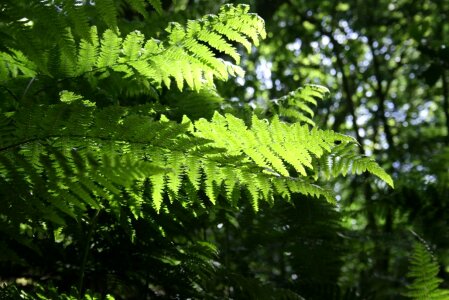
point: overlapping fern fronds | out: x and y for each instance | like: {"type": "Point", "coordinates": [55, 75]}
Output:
{"type": "Point", "coordinates": [60, 162]}
{"type": "Point", "coordinates": [186, 57]}
{"type": "Point", "coordinates": [52, 17]}
{"type": "Point", "coordinates": [90, 155]}
{"type": "Point", "coordinates": [85, 147]}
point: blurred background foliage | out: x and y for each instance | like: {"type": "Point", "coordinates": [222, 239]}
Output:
{"type": "Point", "coordinates": [386, 64]}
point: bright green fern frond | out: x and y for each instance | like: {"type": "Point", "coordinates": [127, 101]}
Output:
{"type": "Point", "coordinates": [191, 48]}
{"type": "Point", "coordinates": [241, 21]}
{"type": "Point", "coordinates": [423, 272]}
{"type": "Point", "coordinates": [158, 184]}
{"type": "Point", "coordinates": [253, 189]}
{"type": "Point", "coordinates": [195, 29]}
{"type": "Point", "coordinates": [206, 57]}
{"type": "Point", "coordinates": [132, 46]}
{"type": "Point", "coordinates": [327, 152]}
{"type": "Point", "coordinates": [343, 159]}
{"type": "Point", "coordinates": [193, 171]}
{"type": "Point", "coordinates": [277, 147]}
{"type": "Point", "coordinates": [116, 148]}
{"type": "Point", "coordinates": [110, 49]}
{"type": "Point", "coordinates": [87, 52]}
{"type": "Point", "coordinates": [176, 161]}
{"type": "Point", "coordinates": [310, 189]}
{"type": "Point", "coordinates": [186, 57]}
{"type": "Point", "coordinates": [15, 65]}
{"type": "Point", "coordinates": [368, 164]}
{"type": "Point", "coordinates": [232, 35]}
{"type": "Point", "coordinates": [295, 107]}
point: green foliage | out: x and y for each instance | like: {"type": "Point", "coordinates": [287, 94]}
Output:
{"type": "Point", "coordinates": [386, 65]}
{"type": "Point", "coordinates": [296, 106]}
{"type": "Point", "coordinates": [15, 65]}
{"type": "Point", "coordinates": [423, 272]}
{"type": "Point", "coordinates": [151, 60]}
{"type": "Point", "coordinates": [81, 150]}
{"type": "Point", "coordinates": [12, 292]}
{"type": "Point", "coordinates": [31, 15]}
{"type": "Point", "coordinates": [108, 136]}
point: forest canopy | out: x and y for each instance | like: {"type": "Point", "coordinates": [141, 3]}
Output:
{"type": "Point", "coordinates": [224, 149]}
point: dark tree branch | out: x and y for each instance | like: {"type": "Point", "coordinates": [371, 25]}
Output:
{"type": "Point", "coordinates": [381, 95]}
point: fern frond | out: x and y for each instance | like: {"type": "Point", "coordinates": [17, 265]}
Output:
{"type": "Point", "coordinates": [193, 171]}
{"type": "Point", "coordinates": [68, 54]}
{"type": "Point", "coordinates": [295, 107]}
{"type": "Point", "coordinates": [157, 5]}
{"type": "Point", "coordinates": [241, 21]}
{"type": "Point", "coordinates": [76, 181]}
{"type": "Point", "coordinates": [132, 46]}
{"type": "Point", "coordinates": [158, 184]}
{"type": "Point", "coordinates": [139, 6]}
{"type": "Point", "coordinates": [205, 56]}
{"type": "Point", "coordinates": [423, 271]}
{"type": "Point", "coordinates": [215, 40]}
{"type": "Point", "coordinates": [187, 57]}
{"type": "Point", "coordinates": [176, 161]}
{"type": "Point", "coordinates": [276, 145]}
{"type": "Point", "coordinates": [343, 160]}
{"type": "Point", "coordinates": [110, 49]}
{"type": "Point", "coordinates": [78, 19]}
{"type": "Point", "coordinates": [87, 52]}
{"type": "Point", "coordinates": [194, 104]}
{"type": "Point", "coordinates": [272, 157]}
{"type": "Point", "coordinates": [15, 65]}
{"type": "Point", "coordinates": [107, 12]}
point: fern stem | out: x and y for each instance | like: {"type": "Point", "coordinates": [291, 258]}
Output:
{"type": "Point", "coordinates": [27, 88]}
{"type": "Point", "coordinates": [85, 256]}
{"type": "Point", "coordinates": [72, 136]}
